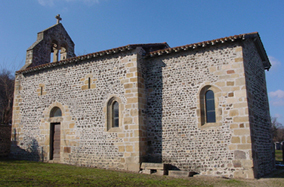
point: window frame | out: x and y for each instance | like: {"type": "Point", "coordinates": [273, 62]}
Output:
{"type": "Point", "coordinates": [202, 111]}
{"type": "Point", "coordinates": [209, 109]}
{"type": "Point", "coordinates": [110, 126]}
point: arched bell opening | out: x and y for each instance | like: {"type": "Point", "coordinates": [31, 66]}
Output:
{"type": "Point", "coordinates": [54, 55]}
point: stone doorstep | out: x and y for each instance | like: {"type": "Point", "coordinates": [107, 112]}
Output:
{"type": "Point", "coordinates": [54, 161]}
{"type": "Point", "coordinates": [152, 166]}
{"type": "Point", "coordinates": [146, 171]}
{"type": "Point", "coordinates": [158, 172]}
{"type": "Point", "coordinates": [151, 172]}
{"type": "Point", "coordinates": [178, 173]}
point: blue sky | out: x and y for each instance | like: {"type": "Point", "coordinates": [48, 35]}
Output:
{"type": "Point", "coordinates": [96, 25]}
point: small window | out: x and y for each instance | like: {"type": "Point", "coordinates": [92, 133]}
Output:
{"type": "Point", "coordinates": [208, 111]}
{"type": "Point", "coordinates": [210, 107]}
{"type": "Point", "coordinates": [89, 83]}
{"type": "Point", "coordinates": [115, 114]}
{"type": "Point", "coordinates": [55, 112]}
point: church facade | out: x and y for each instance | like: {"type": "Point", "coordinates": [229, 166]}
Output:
{"type": "Point", "coordinates": [199, 108]}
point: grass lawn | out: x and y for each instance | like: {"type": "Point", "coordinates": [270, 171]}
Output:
{"type": "Point", "coordinates": [278, 155]}
{"type": "Point", "coordinates": [26, 173]}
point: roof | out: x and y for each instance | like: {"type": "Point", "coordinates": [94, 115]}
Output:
{"type": "Point", "coordinates": [164, 49]}
{"type": "Point", "coordinates": [129, 47]}
{"type": "Point", "coordinates": [234, 38]}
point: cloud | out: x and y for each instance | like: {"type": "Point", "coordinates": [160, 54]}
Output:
{"type": "Point", "coordinates": [277, 94]}
{"type": "Point", "coordinates": [46, 2]}
{"type": "Point", "coordinates": [277, 98]}
{"type": "Point", "coordinates": [279, 102]}
{"type": "Point", "coordinates": [51, 2]}
{"type": "Point", "coordinates": [274, 62]}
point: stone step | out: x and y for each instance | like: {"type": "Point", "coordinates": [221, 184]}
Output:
{"type": "Point", "coordinates": [152, 166]}
{"type": "Point", "coordinates": [178, 173]}
{"type": "Point", "coordinates": [153, 172]}
{"type": "Point", "coordinates": [54, 161]}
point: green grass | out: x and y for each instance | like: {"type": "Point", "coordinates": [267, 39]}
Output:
{"type": "Point", "coordinates": [278, 155]}
{"type": "Point", "coordinates": [26, 173]}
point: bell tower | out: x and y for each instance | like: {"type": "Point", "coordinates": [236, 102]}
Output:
{"type": "Point", "coordinates": [53, 44]}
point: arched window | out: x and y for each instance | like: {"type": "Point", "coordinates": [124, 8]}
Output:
{"type": "Point", "coordinates": [210, 107]}
{"type": "Point", "coordinates": [115, 114]}
{"type": "Point", "coordinates": [55, 112]}
{"type": "Point", "coordinates": [209, 112]}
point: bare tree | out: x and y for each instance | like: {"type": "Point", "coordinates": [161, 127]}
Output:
{"type": "Point", "coordinates": [6, 96]}
{"type": "Point", "coordinates": [277, 130]}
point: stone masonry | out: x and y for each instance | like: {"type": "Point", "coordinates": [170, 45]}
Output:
{"type": "Point", "coordinates": [160, 92]}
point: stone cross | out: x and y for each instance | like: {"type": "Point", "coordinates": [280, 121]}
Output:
{"type": "Point", "coordinates": [58, 18]}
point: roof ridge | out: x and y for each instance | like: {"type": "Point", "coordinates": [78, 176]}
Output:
{"type": "Point", "coordinates": [90, 55]}
{"type": "Point", "coordinates": [150, 54]}
{"type": "Point", "coordinates": [201, 44]}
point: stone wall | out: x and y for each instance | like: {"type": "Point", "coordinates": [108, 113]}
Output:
{"type": "Point", "coordinates": [260, 123]}
{"type": "Point", "coordinates": [85, 138]}
{"type": "Point", "coordinates": [175, 134]}
{"type": "Point", "coordinates": [5, 140]}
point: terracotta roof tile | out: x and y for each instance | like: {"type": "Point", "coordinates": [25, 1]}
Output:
{"type": "Point", "coordinates": [165, 50]}
{"type": "Point", "coordinates": [93, 55]}
{"type": "Point", "coordinates": [202, 44]}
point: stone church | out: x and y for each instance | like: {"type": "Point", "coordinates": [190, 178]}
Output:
{"type": "Point", "coordinates": [200, 107]}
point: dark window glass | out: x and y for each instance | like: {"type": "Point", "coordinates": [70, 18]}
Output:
{"type": "Point", "coordinates": [210, 107]}
{"type": "Point", "coordinates": [89, 83]}
{"type": "Point", "coordinates": [55, 112]}
{"type": "Point", "coordinates": [115, 114]}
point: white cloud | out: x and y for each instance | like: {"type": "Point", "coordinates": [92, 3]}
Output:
{"type": "Point", "coordinates": [51, 2]}
{"type": "Point", "coordinates": [278, 94]}
{"type": "Point", "coordinates": [277, 98]}
{"type": "Point", "coordinates": [274, 62]}
{"type": "Point", "coordinates": [279, 102]}
{"type": "Point", "coordinates": [46, 2]}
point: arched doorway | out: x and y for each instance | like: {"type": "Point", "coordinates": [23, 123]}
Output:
{"type": "Point", "coordinates": [55, 116]}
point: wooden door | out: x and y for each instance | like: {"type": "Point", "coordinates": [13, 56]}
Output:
{"type": "Point", "coordinates": [55, 141]}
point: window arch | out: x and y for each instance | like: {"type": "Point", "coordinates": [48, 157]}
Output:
{"type": "Point", "coordinates": [55, 112]}
{"type": "Point", "coordinates": [114, 114]}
